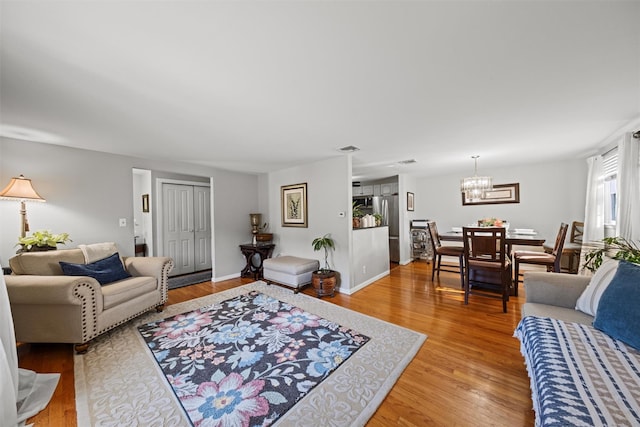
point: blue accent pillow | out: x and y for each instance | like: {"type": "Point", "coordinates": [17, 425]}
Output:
{"type": "Point", "coordinates": [105, 270]}
{"type": "Point", "coordinates": [618, 312]}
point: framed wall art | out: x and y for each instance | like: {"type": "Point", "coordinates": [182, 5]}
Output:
{"type": "Point", "coordinates": [145, 203]}
{"type": "Point", "coordinates": [410, 201]}
{"type": "Point", "coordinates": [501, 193]}
{"type": "Point", "coordinates": [294, 205]}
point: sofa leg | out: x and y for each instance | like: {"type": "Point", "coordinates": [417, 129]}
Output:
{"type": "Point", "coordinates": [159, 308]}
{"type": "Point", "coordinates": [81, 348]}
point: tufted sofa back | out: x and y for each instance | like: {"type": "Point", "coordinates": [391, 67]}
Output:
{"type": "Point", "coordinates": [44, 263]}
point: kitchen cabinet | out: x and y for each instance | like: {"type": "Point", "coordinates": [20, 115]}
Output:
{"type": "Point", "coordinates": [376, 190]}
{"type": "Point", "coordinates": [386, 189]}
{"type": "Point", "coordinates": [357, 191]}
{"type": "Point", "coordinates": [367, 190]}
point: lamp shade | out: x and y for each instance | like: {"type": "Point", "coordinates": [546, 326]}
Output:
{"type": "Point", "coordinates": [20, 188]}
{"type": "Point", "coordinates": [256, 218]}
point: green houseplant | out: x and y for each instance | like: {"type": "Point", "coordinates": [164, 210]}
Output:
{"type": "Point", "coordinates": [324, 279]}
{"type": "Point", "coordinates": [356, 213]}
{"type": "Point", "coordinates": [378, 218]}
{"type": "Point", "coordinates": [42, 240]}
{"type": "Point", "coordinates": [612, 247]}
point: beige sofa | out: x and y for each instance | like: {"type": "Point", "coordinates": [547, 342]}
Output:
{"type": "Point", "coordinates": [48, 306]}
{"type": "Point", "coordinates": [555, 295]}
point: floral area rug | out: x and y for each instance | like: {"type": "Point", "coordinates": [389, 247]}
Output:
{"type": "Point", "coordinates": [118, 382]}
{"type": "Point", "coordinates": [247, 360]}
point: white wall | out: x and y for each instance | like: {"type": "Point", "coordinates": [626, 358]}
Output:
{"type": "Point", "coordinates": [370, 256]}
{"type": "Point", "coordinates": [550, 193]}
{"type": "Point", "coordinates": [328, 193]}
{"type": "Point", "coordinates": [87, 192]}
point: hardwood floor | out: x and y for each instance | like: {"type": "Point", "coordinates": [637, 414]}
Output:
{"type": "Point", "coordinates": [469, 372]}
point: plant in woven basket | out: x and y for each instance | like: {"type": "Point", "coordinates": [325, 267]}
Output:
{"type": "Point", "coordinates": [612, 247]}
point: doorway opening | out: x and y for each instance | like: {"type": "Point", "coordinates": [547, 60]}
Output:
{"type": "Point", "coordinates": [142, 213]}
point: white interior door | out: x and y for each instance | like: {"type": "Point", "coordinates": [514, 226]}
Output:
{"type": "Point", "coordinates": [202, 227]}
{"type": "Point", "coordinates": [186, 227]}
{"type": "Point", "coordinates": [178, 229]}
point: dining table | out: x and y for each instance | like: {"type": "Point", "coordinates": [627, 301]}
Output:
{"type": "Point", "coordinates": [512, 238]}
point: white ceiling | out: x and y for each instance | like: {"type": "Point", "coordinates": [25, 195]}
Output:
{"type": "Point", "coordinates": [259, 86]}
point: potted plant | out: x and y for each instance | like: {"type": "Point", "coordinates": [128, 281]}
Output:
{"type": "Point", "coordinates": [42, 240]}
{"type": "Point", "coordinates": [324, 279]}
{"type": "Point", "coordinates": [378, 218]}
{"type": "Point", "coordinates": [356, 214]}
{"type": "Point", "coordinates": [613, 247]}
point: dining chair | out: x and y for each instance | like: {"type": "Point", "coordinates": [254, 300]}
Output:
{"type": "Point", "coordinates": [572, 248]}
{"type": "Point", "coordinates": [439, 251]}
{"type": "Point", "coordinates": [577, 230]}
{"type": "Point", "coordinates": [550, 260]}
{"type": "Point", "coordinates": [487, 264]}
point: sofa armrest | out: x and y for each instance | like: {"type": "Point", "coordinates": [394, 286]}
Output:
{"type": "Point", "coordinates": [158, 267]}
{"type": "Point", "coordinates": [52, 290]}
{"type": "Point", "coordinates": [561, 290]}
{"type": "Point", "coordinates": [71, 304]}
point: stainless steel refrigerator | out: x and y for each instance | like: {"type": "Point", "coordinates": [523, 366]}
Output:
{"type": "Point", "coordinates": [387, 206]}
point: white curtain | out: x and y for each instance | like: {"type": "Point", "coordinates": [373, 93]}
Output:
{"type": "Point", "coordinates": [594, 207]}
{"type": "Point", "coordinates": [8, 361]}
{"type": "Point", "coordinates": [24, 392]}
{"type": "Point", "coordinates": [628, 181]}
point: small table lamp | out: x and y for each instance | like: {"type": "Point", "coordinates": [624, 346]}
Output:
{"type": "Point", "coordinates": [256, 218]}
{"type": "Point", "coordinates": [20, 189]}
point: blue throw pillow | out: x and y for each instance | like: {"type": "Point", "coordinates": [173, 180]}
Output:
{"type": "Point", "coordinates": [618, 315]}
{"type": "Point", "coordinates": [105, 270]}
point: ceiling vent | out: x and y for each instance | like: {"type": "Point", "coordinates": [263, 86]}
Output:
{"type": "Point", "coordinates": [407, 162]}
{"type": "Point", "coordinates": [349, 149]}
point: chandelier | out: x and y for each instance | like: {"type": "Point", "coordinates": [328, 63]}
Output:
{"type": "Point", "coordinates": [474, 187]}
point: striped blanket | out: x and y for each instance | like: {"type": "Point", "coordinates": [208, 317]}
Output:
{"type": "Point", "coordinates": [579, 375]}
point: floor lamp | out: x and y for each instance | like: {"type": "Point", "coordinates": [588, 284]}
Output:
{"type": "Point", "coordinates": [20, 189]}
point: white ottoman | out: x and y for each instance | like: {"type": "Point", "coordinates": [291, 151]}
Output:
{"type": "Point", "coordinates": [290, 271]}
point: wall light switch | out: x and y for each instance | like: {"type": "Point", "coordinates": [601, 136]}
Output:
{"type": "Point", "coordinates": [123, 222]}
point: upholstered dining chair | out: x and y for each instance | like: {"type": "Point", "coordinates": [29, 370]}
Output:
{"type": "Point", "coordinates": [550, 260]}
{"type": "Point", "coordinates": [487, 264]}
{"type": "Point", "coordinates": [439, 251]}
